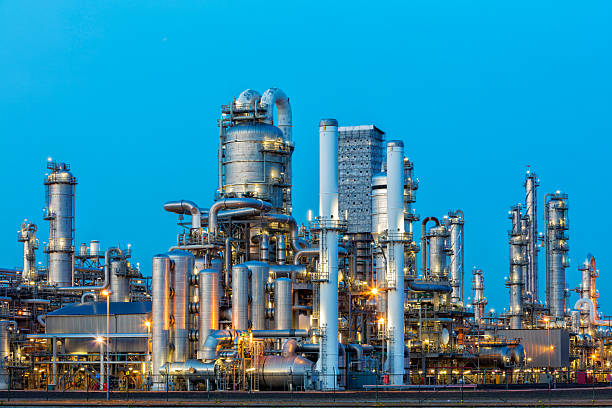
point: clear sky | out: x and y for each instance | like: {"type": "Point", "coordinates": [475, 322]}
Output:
{"type": "Point", "coordinates": [128, 92]}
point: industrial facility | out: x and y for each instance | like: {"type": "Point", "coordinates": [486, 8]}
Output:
{"type": "Point", "coordinates": [250, 298]}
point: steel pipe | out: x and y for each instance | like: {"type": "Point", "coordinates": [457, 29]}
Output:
{"type": "Point", "coordinates": [186, 207]}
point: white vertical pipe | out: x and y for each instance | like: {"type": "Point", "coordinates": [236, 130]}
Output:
{"type": "Point", "coordinates": [328, 251]}
{"type": "Point", "coordinates": [395, 266]}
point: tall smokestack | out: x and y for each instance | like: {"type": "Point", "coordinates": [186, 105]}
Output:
{"type": "Point", "coordinates": [328, 252]}
{"type": "Point", "coordinates": [395, 260]}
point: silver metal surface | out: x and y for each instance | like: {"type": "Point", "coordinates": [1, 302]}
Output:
{"type": "Point", "coordinates": [120, 282]}
{"type": "Point", "coordinates": [438, 253]}
{"type": "Point", "coordinates": [191, 368]}
{"type": "Point", "coordinates": [186, 207]}
{"type": "Point", "coordinates": [556, 252]}
{"type": "Point", "coordinates": [495, 356]}
{"type": "Point", "coordinates": [208, 297]}
{"type": "Point", "coordinates": [232, 203]}
{"type": "Point", "coordinates": [183, 269]}
{"type": "Point", "coordinates": [27, 235]}
{"type": "Point", "coordinates": [518, 260]}
{"type": "Point", "coordinates": [456, 271]}
{"type": "Point", "coordinates": [240, 297]}
{"type": "Point", "coordinates": [281, 249]}
{"type": "Point", "coordinates": [542, 347]}
{"type": "Point", "coordinates": [162, 305]}
{"type": "Point", "coordinates": [479, 301]}
{"type": "Point", "coordinates": [531, 202]}
{"type": "Point", "coordinates": [259, 277]}
{"type": "Point", "coordinates": [59, 212]}
{"type": "Point", "coordinates": [283, 302]}
{"type": "Point", "coordinates": [256, 159]}
{"type": "Point", "coordinates": [4, 353]}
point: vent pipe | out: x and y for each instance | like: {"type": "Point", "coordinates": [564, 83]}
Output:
{"type": "Point", "coordinates": [395, 260]}
{"type": "Point", "coordinates": [328, 253]}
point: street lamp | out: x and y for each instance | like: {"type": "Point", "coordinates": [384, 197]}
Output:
{"type": "Point", "coordinates": [107, 293]}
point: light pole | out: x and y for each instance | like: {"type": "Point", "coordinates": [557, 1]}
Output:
{"type": "Point", "coordinates": [547, 320]}
{"type": "Point", "coordinates": [148, 365]}
{"type": "Point", "coordinates": [107, 293]}
{"type": "Point", "coordinates": [100, 341]}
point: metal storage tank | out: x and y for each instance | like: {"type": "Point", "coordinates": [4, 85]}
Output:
{"type": "Point", "coordinates": [255, 155]}
{"type": "Point", "coordinates": [283, 303]}
{"type": "Point", "coordinates": [209, 295]}
{"type": "Point", "coordinates": [120, 282]}
{"type": "Point", "coordinates": [240, 297]}
{"type": "Point", "coordinates": [183, 269]}
{"type": "Point", "coordinates": [59, 212]}
{"type": "Point", "coordinates": [437, 251]}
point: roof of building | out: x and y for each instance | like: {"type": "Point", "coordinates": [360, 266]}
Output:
{"type": "Point", "coordinates": [99, 308]}
{"type": "Point", "coordinates": [360, 127]}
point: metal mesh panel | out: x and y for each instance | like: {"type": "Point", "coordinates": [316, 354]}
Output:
{"type": "Point", "coordinates": [360, 156]}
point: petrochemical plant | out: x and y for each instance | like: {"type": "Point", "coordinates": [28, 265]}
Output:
{"type": "Point", "coordinates": [251, 299]}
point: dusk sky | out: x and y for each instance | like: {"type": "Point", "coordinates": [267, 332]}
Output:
{"type": "Point", "coordinates": [129, 92]}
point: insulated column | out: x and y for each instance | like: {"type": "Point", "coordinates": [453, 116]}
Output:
{"type": "Point", "coordinates": [162, 304]}
{"type": "Point", "coordinates": [328, 252]}
{"type": "Point", "coordinates": [395, 262]}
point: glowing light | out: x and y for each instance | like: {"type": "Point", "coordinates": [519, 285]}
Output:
{"type": "Point", "coordinates": [147, 323]}
{"type": "Point", "coordinates": [106, 292]}
{"type": "Point", "coordinates": [374, 291]}
{"type": "Point", "coordinates": [99, 339]}
{"type": "Point", "coordinates": [381, 320]}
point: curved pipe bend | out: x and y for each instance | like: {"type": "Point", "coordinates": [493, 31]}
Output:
{"type": "Point", "coordinates": [424, 239]}
{"type": "Point", "coordinates": [592, 313]}
{"type": "Point", "coordinates": [297, 244]}
{"type": "Point", "coordinates": [232, 203]}
{"type": "Point", "coordinates": [106, 283]}
{"type": "Point", "coordinates": [276, 96]}
{"type": "Point", "coordinates": [314, 252]}
{"type": "Point", "coordinates": [186, 207]}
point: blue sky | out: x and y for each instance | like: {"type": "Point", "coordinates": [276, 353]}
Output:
{"type": "Point", "coordinates": [128, 92]}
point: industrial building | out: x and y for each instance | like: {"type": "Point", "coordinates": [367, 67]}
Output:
{"type": "Point", "coordinates": [249, 299]}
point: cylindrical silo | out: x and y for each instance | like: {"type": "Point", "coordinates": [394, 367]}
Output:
{"type": "Point", "coordinates": [556, 252]}
{"type": "Point", "coordinates": [240, 297]}
{"type": "Point", "coordinates": [455, 224]}
{"type": "Point", "coordinates": [531, 201]}
{"type": "Point", "coordinates": [120, 282]}
{"type": "Point", "coordinates": [479, 301]}
{"type": "Point", "coordinates": [162, 311]}
{"type": "Point", "coordinates": [259, 277]}
{"type": "Point", "coordinates": [4, 354]}
{"type": "Point", "coordinates": [60, 214]}
{"type": "Point", "coordinates": [208, 315]}
{"type": "Point", "coordinates": [283, 303]}
{"type": "Point", "coordinates": [27, 235]}
{"type": "Point", "coordinates": [437, 251]}
{"type": "Point", "coordinates": [183, 268]}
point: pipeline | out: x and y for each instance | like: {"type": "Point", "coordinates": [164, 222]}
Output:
{"type": "Point", "coordinates": [186, 207]}
{"type": "Point", "coordinates": [297, 244]}
{"type": "Point", "coordinates": [86, 295]}
{"type": "Point", "coordinates": [429, 287]}
{"type": "Point", "coordinates": [424, 239]}
{"type": "Point", "coordinates": [592, 313]}
{"type": "Point", "coordinates": [107, 265]}
{"type": "Point", "coordinates": [232, 203]}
